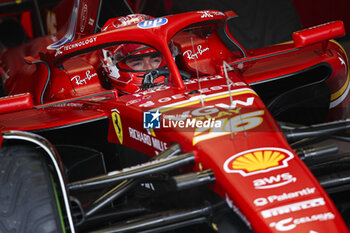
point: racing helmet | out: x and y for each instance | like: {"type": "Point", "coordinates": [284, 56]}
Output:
{"type": "Point", "coordinates": [126, 64]}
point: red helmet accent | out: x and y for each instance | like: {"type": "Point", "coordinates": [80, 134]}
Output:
{"type": "Point", "coordinates": [125, 78]}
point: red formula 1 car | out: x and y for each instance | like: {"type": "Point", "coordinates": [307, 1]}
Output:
{"type": "Point", "coordinates": [169, 125]}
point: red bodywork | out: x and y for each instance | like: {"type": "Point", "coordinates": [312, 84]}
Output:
{"type": "Point", "coordinates": [255, 168]}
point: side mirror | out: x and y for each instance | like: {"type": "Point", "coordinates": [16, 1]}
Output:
{"type": "Point", "coordinates": [14, 103]}
{"type": "Point", "coordinates": [319, 33]}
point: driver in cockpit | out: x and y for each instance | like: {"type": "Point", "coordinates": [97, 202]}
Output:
{"type": "Point", "coordinates": [126, 64]}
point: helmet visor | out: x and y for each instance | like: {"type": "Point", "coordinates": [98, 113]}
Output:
{"type": "Point", "coordinates": [143, 62]}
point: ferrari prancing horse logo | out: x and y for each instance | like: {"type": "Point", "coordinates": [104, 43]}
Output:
{"type": "Point", "coordinates": [118, 126]}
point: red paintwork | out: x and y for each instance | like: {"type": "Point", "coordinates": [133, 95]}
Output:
{"type": "Point", "coordinates": [16, 103]}
{"type": "Point", "coordinates": [26, 23]}
{"type": "Point", "coordinates": [68, 100]}
{"type": "Point", "coordinates": [319, 33]}
{"type": "Point", "coordinates": [87, 11]}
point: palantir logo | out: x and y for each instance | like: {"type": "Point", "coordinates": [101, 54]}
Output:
{"type": "Point", "coordinates": [151, 120]}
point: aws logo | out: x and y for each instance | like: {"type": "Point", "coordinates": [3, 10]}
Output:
{"type": "Point", "coordinates": [258, 160]}
{"type": "Point", "coordinates": [275, 181]}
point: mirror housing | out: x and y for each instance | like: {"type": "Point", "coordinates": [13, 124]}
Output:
{"type": "Point", "coordinates": [319, 33]}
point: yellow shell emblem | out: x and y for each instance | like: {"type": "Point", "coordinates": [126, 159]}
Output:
{"type": "Point", "coordinates": [257, 161]}
{"type": "Point", "coordinates": [118, 126]}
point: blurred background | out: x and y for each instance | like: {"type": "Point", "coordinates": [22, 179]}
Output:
{"type": "Point", "coordinates": [259, 23]}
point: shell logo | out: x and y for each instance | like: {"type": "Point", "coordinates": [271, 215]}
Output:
{"type": "Point", "coordinates": [258, 160]}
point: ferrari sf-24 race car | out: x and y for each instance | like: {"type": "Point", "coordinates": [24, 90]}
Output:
{"type": "Point", "coordinates": [211, 138]}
